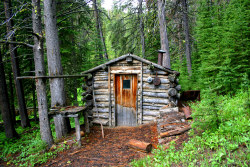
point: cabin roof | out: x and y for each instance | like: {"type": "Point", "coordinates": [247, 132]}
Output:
{"type": "Point", "coordinates": [134, 57]}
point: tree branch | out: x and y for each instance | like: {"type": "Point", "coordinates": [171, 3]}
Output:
{"type": "Point", "coordinates": [18, 43]}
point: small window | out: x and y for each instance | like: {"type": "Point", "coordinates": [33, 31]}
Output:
{"type": "Point", "coordinates": [126, 84]}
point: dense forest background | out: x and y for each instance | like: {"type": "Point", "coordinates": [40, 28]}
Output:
{"type": "Point", "coordinates": [207, 41]}
{"type": "Point", "coordinates": [90, 35]}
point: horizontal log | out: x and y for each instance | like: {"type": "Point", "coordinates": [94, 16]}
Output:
{"type": "Point", "coordinates": [146, 122]}
{"type": "Point", "coordinates": [147, 71]}
{"type": "Point", "coordinates": [102, 110]}
{"type": "Point", "coordinates": [101, 115]}
{"type": "Point", "coordinates": [151, 112]}
{"type": "Point", "coordinates": [151, 107]}
{"type": "Point", "coordinates": [175, 132]}
{"type": "Point", "coordinates": [154, 100]}
{"type": "Point", "coordinates": [151, 86]}
{"type": "Point", "coordinates": [155, 104]}
{"type": "Point", "coordinates": [101, 92]}
{"type": "Point", "coordinates": [169, 110]}
{"type": "Point", "coordinates": [154, 90]}
{"type": "Point", "coordinates": [103, 104]}
{"type": "Point", "coordinates": [100, 85]}
{"type": "Point", "coordinates": [101, 78]}
{"type": "Point", "coordinates": [101, 98]}
{"type": "Point", "coordinates": [148, 118]}
{"type": "Point", "coordinates": [163, 80]}
{"type": "Point", "coordinates": [156, 94]}
{"type": "Point", "coordinates": [140, 145]}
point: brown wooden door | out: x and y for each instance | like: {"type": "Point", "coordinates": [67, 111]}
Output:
{"type": "Point", "coordinates": [125, 97]}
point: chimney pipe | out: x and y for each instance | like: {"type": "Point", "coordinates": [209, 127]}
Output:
{"type": "Point", "coordinates": [160, 56]}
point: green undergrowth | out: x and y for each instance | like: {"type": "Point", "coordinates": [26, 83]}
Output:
{"type": "Point", "coordinates": [28, 149]}
{"type": "Point", "coordinates": [220, 135]}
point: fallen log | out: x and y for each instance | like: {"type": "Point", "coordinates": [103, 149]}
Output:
{"type": "Point", "coordinates": [139, 145]}
{"type": "Point", "coordinates": [175, 132]}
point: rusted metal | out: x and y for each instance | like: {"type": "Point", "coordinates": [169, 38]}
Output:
{"type": "Point", "coordinates": [157, 80]}
{"type": "Point", "coordinates": [190, 95]}
{"type": "Point", "coordinates": [160, 56]}
{"type": "Point", "coordinates": [187, 112]}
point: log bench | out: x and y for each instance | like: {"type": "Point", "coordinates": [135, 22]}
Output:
{"type": "Point", "coordinates": [69, 112]}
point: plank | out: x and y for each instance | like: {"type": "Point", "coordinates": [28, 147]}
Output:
{"type": "Point", "coordinates": [115, 68]}
{"type": "Point", "coordinates": [125, 71]}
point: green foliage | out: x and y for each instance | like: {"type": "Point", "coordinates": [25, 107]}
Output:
{"type": "Point", "coordinates": [225, 145]}
{"type": "Point", "coordinates": [28, 150]}
{"type": "Point", "coordinates": [223, 45]}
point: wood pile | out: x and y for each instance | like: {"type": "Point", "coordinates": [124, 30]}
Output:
{"type": "Point", "coordinates": [171, 123]}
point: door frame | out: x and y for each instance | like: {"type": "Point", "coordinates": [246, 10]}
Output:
{"type": "Point", "coordinates": [114, 85]}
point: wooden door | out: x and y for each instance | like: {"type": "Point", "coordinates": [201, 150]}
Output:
{"type": "Point", "coordinates": [125, 98]}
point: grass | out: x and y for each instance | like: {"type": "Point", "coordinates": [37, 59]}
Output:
{"type": "Point", "coordinates": [29, 149]}
{"type": "Point", "coordinates": [223, 144]}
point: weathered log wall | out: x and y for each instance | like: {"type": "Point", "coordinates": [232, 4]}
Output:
{"type": "Point", "coordinates": [150, 98]}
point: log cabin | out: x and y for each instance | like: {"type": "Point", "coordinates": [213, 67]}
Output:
{"type": "Point", "coordinates": [129, 91]}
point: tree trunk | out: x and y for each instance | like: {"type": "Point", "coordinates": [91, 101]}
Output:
{"type": "Point", "coordinates": [53, 54]}
{"type": "Point", "coordinates": [187, 39]}
{"type": "Point", "coordinates": [5, 105]}
{"type": "Point", "coordinates": [15, 67]}
{"type": "Point", "coordinates": [141, 28]}
{"type": "Point", "coordinates": [163, 34]}
{"type": "Point", "coordinates": [12, 100]}
{"type": "Point", "coordinates": [99, 29]}
{"type": "Point", "coordinates": [45, 130]}
{"type": "Point", "coordinates": [54, 59]}
{"type": "Point", "coordinates": [180, 43]}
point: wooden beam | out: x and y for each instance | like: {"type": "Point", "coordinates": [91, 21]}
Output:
{"type": "Point", "coordinates": [55, 76]}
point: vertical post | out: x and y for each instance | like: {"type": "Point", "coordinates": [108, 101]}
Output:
{"type": "Point", "coordinates": [86, 121]}
{"type": "Point", "coordinates": [77, 127]}
{"type": "Point", "coordinates": [110, 103]}
{"type": "Point", "coordinates": [114, 85]}
{"type": "Point", "coordinates": [59, 125]}
{"type": "Point", "coordinates": [137, 94]}
{"type": "Point", "coordinates": [141, 92]}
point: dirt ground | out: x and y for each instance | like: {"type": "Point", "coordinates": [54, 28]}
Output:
{"type": "Point", "coordinates": [111, 150]}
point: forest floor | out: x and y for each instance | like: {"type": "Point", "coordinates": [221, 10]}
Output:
{"type": "Point", "coordinates": [112, 150]}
